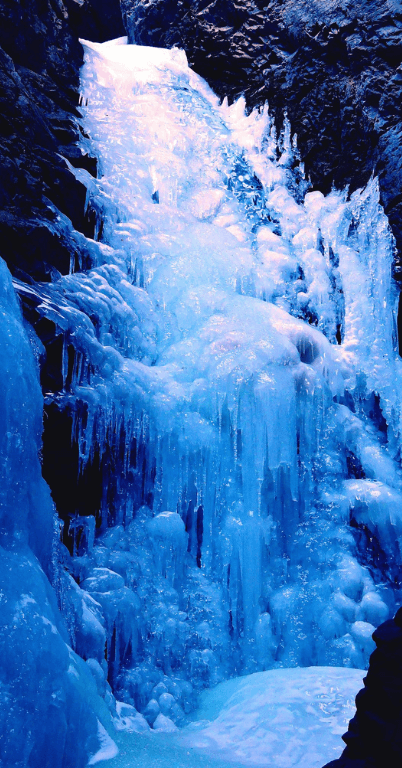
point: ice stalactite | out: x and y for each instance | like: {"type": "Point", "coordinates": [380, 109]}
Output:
{"type": "Point", "coordinates": [230, 364]}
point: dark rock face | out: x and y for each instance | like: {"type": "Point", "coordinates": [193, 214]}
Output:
{"type": "Point", "coordinates": [336, 68]}
{"type": "Point", "coordinates": [39, 63]}
{"type": "Point", "coordinates": [96, 20]}
{"type": "Point", "coordinates": [40, 57]}
{"type": "Point", "coordinates": [374, 737]}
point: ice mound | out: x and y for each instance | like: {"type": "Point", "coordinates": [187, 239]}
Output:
{"type": "Point", "coordinates": [276, 719]}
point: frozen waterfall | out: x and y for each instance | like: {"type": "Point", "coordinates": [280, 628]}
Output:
{"type": "Point", "coordinates": [231, 359]}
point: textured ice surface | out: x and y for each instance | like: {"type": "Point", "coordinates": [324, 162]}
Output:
{"type": "Point", "coordinates": [284, 718]}
{"type": "Point", "coordinates": [49, 697]}
{"type": "Point", "coordinates": [231, 359]}
{"type": "Point", "coordinates": [235, 355]}
{"type": "Point", "coordinates": [278, 719]}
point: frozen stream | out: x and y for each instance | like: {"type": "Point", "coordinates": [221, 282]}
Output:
{"type": "Point", "coordinates": [290, 718]}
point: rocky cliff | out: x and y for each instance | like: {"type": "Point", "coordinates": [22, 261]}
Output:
{"type": "Point", "coordinates": [40, 58]}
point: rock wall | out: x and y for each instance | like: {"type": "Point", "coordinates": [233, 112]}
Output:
{"type": "Point", "coordinates": [43, 214]}
{"type": "Point", "coordinates": [40, 57]}
{"type": "Point", "coordinates": [374, 736]}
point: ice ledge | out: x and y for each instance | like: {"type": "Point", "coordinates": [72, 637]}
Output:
{"type": "Point", "coordinates": [138, 56]}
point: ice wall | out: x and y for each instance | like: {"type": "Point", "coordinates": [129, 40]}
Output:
{"type": "Point", "coordinates": [51, 714]}
{"type": "Point", "coordinates": [231, 356]}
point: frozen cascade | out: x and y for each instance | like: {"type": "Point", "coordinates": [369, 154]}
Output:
{"type": "Point", "coordinates": [233, 350]}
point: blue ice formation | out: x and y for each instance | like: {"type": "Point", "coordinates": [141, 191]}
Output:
{"type": "Point", "coordinates": [49, 697]}
{"type": "Point", "coordinates": [235, 350]}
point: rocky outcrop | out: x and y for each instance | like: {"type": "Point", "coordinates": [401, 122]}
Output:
{"type": "Point", "coordinates": [335, 67]}
{"type": "Point", "coordinates": [39, 61]}
{"type": "Point", "coordinates": [40, 57]}
{"type": "Point", "coordinates": [374, 737]}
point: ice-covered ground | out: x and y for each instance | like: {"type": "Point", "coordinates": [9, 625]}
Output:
{"type": "Point", "coordinates": [285, 718]}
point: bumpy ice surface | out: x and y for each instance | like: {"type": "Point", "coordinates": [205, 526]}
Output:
{"type": "Point", "coordinates": [223, 362]}
{"type": "Point", "coordinates": [45, 687]}
{"type": "Point", "coordinates": [228, 345]}
{"type": "Point", "coordinates": [284, 718]}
